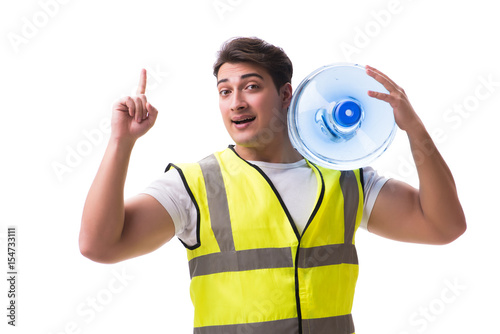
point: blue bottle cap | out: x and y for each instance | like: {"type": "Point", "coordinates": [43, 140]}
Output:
{"type": "Point", "coordinates": [347, 113]}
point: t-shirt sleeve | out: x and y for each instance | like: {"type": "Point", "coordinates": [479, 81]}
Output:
{"type": "Point", "coordinates": [171, 192]}
{"type": "Point", "coordinates": [373, 182]}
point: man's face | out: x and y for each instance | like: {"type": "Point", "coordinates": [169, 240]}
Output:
{"type": "Point", "coordinates": [253, 111]}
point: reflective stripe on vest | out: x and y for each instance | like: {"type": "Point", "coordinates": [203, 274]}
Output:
{"type": "Point", "coordinates": [251, 271]}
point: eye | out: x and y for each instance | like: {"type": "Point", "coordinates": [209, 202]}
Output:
{"type": "Point", "coordinates": [224, 92]}
{"type": "Point", "coordinates": [252, 86]}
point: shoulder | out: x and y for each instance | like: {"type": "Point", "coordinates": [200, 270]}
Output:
{"type": "Point", "coordinates": [372, 180]}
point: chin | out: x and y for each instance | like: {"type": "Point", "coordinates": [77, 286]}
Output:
{"type": "Point", "coordinates": [251, 139]}
{"type": "Point", "coordinates": [243, 140]}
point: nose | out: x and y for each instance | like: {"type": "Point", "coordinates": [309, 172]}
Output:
{"type": "Point", "coordinates": [238, 102]}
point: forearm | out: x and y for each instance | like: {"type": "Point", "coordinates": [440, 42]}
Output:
{"type": "Point", "coordinates": [438, 196]}
{"type": "Point", "coordinates": [103, 213]}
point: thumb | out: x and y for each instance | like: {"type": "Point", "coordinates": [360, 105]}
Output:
{"type": "Point", "coordinates": [152, 111]}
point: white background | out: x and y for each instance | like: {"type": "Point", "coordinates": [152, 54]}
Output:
{"type": "Point", "coordinates": [64, 63]}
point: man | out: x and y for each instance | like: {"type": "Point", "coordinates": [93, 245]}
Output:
{"type": "Point", "coordinates": [269, 236]}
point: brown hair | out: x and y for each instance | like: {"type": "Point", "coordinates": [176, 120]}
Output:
{"type": "Point", "coordinates": [254, 50]}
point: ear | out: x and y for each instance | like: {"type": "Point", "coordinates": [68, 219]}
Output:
{"type": "Point", "coordinates": [286, 94]}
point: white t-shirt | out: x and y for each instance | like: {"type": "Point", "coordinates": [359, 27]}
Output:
{"type": "Point", "coordinates": [295, 182]}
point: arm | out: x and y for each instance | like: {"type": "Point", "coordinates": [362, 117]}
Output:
{"type": "Point", "coordinates": [113, 230]}
{"type": "Point", "coordinates": [431, 214]}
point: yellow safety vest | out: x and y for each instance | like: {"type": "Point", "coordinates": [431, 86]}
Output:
{"type": "Point", "coordinates": [251, 270]}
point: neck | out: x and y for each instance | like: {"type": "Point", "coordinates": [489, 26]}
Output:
{"type": "Point", "coordinates": [284, 153]}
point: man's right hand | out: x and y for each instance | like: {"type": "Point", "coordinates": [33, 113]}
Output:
{"type": "Point", "coordinates": [133, 116]}
{"type": "Point", "coordinates": [113, 230]}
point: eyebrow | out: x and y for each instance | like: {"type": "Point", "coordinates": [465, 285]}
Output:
{"type": "Point", "coordinates": [244, 76]}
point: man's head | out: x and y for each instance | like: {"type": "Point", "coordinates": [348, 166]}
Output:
{"type": "Point", "coordinates": [253, 81]}
{"type": "Point", "coordinates": [254, 50]}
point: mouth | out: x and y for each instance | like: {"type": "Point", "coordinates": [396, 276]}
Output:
{"type": "Point", "coordinates": [244, 120]}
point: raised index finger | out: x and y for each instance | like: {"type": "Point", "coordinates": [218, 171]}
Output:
{"type": "Point", "coordinates": [141, 89]}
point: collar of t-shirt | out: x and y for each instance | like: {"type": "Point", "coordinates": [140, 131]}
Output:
{"type": "Point", "coordinates": [297, 186]}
